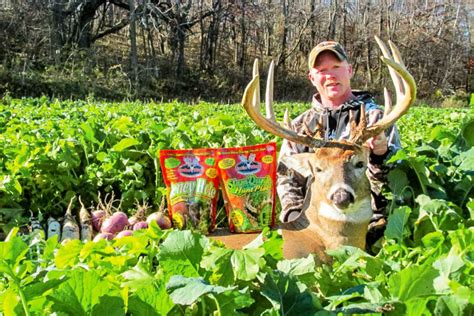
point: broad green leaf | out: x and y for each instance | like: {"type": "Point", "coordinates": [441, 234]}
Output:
{"type": "Point", "coordinates": [51, 244]}
{"type": "Point", "coordinates": [362, 308]}
{"type": "Point", "coordinates": [433, 240]}
{"type": "Point", "coordinates": [463, 242]}
{"type": "Point", "coordinates": [181, 253]}
{"type": "Point", "coordinates": [246, 263]}
{"type": "Point", "coordinates": [92, 249]}
{"type": "Point", "coordinates": [396, 227]}
{"type": "Point", "coordinates": [424, 175]}
{"type": "Point", "coordinates": [138, 277]}
{"type": "Point", "coordinates": [466, 160]}
{"type": "Point", "coordinates": [123, 123]}
{"type": "Point", "coordinates": [397, 181]}
{"type": "Point", "coordinates": [11, 303]}
{"type": "Point", "coordinates": [297, 267]}
{"type": "Point", "coordinates": [68, 255]}
{"type": "Point", "coordinates": [88, 132]}
{"type": "Point", "coordinates": [285, 295]}
{"type": "Point", "coordinates": [452, 305]}
{"type": "Point", "coordinates": [13, 250]}
{"type": "Point", "coordinates": [417, 306]}
{"type": "Point", "coordinates": [150, 300]}
{"type": "Point", "coordinates": [413, 282]}
{"type": "Point", "coordinates": [40, 286]}
{"type": "Point", "coordinates": [446, 265]}
{"type": "Point", "coordinates": [125, 143]}
{"type": "Point", "coordinates": [218, 261]}
{"type": "Point", "coordinates": [273, 244]}
{"type": "Point", "coordinates": [85, 292]}
{"type": "Point", "coordinates": [373, 294]}
{"type": "Point", "coordinates": [186, 291]}
{"type": "Point", "coordinates": [468, 130]}
{"type": "Point", "coordinates": [109, 305]}
{"type": "Point", "coordinates": [231, 301]}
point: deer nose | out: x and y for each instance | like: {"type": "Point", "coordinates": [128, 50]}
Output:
{"type": "Point", "coordinates": [342, 198]}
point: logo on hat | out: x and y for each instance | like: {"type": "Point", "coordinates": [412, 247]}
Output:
{"type": "Point", "coordinates": [332, 46]}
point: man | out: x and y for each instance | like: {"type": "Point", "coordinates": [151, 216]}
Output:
{"type": "Point", "coordinates": [330, 73]}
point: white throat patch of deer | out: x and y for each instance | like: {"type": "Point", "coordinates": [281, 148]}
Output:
{"type": "Point", "coordinates": [337, 209]}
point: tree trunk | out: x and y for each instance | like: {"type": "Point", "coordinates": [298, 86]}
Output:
{"type": "Point", "coordinates": [133, 42]}
{"type": "Point", "coordinates": [268, 31]}
{"type": "Point", "coordinates": [332, 21]}
{"type": "Point", "coordinates": [243, 38]}
{"type": "Point", "coordinates": [284, 36]}
{"type": "Point", "coordinates": [57, 30]}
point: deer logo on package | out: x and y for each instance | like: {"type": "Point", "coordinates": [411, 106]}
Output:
{"type": "Point", "coordinates": [248, 165]}
{"type": "Point", "coordinates": [191, 167]}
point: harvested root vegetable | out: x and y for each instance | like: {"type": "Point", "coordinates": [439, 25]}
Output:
{"type": "Point", "coordinates": [54, 228]}
{"type": "Point", "coordinates": [124, 233]}
{"type": "Point", "coordinates": [35, 226]}
{"type": "Point", "coordinates": [85, 220]}
{"type": "Point", "coordinates": [140, 225]}
{"type": "Point", "coordinates": [70, 226]}
{"type": "Point", "coordinates": [115, 223]}
{"type": "Point", "coordinates": [139, 215]}
{"type": "Point", "coordinates": [161, 219]}
{"type": "Point", "coordinates": [98, 218]}
{"type": "Point", "coordinates": [106, 236]}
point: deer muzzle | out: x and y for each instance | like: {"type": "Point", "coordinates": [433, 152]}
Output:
{"type": "Point", "coordinates": [342, 198]}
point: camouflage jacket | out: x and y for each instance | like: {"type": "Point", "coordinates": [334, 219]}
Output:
{"type": "Point", "coordinates": [292, 186]}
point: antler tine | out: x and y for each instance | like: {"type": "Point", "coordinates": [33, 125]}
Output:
{"type": "Point", "coordinates": [406, 95]}
{"type": "Point", "coordinates": [269, 93]}
{"type": "Point", "coordinates": [393, 74]}
{"type": "Point", "coordinates": [396, 53]}
{"type": "Point", "coordinates": [252, 105]}
{"type": "Point", "coordinates": [398, 59]}
{"type": "Point", "coordinates": [388, 101]}
{"type": "Point", "coordinates": [256, 97]}
{"type": "Point", "coordinates": [286, 119]}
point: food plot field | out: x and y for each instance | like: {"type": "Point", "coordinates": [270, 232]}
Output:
{"type": "Point", "coordinates": [54, 152]}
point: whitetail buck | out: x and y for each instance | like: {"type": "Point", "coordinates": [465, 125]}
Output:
{"type": "Point", "coordinates": [337, 207]}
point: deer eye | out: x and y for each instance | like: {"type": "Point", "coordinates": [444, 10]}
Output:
{"type": "Point", "coordinates": [317, 169]}
{"type": "Point", "coordinates": [359, 164]}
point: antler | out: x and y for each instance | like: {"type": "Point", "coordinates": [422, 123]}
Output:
{"type": "Point", "coordinates": [251, 103]}
{"type": "Point", "coordinates": [405, 88]}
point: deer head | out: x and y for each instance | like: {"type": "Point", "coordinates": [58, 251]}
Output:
{"type": "Point", "coordinates": [337, 206]}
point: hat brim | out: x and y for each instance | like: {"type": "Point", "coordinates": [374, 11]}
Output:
{"type": "Point", "coordinates": [314, 57]}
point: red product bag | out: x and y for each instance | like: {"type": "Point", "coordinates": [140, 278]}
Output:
{"type": "Point", "coordinates": [192, 184]}
{"type": "Point", "coordinates": [248, 181]}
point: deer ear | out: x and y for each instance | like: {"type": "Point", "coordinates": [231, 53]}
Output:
{"type": "Point", "coordinates": [299, 163]}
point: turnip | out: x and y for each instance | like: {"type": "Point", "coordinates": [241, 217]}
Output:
{"type": "Point", "coordinates": [85, 220]}
{"type": "Point", "coordinates": [115, 223]}
{"type": "Point", "coordinates": [98, 218]}
{"type": "Point", "coordinates": [139, 215]}
{"type": "Point", "coordinates": [106, 236]}
{"type": "Point", "coordinates": [161, 219]}
{"type": "Point", "coordinates": [124, 233]}
{"type": "Point", "coordinates": [70, 227]}
{"type": "Point", "coordinates": [140, 225]}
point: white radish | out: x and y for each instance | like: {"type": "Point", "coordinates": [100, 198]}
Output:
{"type": "Point", "coordinates": [70, 226]}
{"type": "Point", "coordinates": [85, 220]}
{"type": "Point", "coordinates": [54, 228]}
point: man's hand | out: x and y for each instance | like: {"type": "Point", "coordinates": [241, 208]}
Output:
{"type": "Point", "coordinates": [378, 144]}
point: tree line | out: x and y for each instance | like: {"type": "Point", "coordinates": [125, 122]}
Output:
{"type": "Point", "coordinates": [204, 49]}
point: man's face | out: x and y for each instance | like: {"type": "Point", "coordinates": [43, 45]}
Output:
{"type": "Point", "coordinates": [332, 78]}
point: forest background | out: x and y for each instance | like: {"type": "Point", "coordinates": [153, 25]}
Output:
{"type": "Point", "coordinates": [204, 49]}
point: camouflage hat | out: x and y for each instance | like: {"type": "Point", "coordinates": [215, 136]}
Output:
{"type": "Point", "coordinates": [332, 46]}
